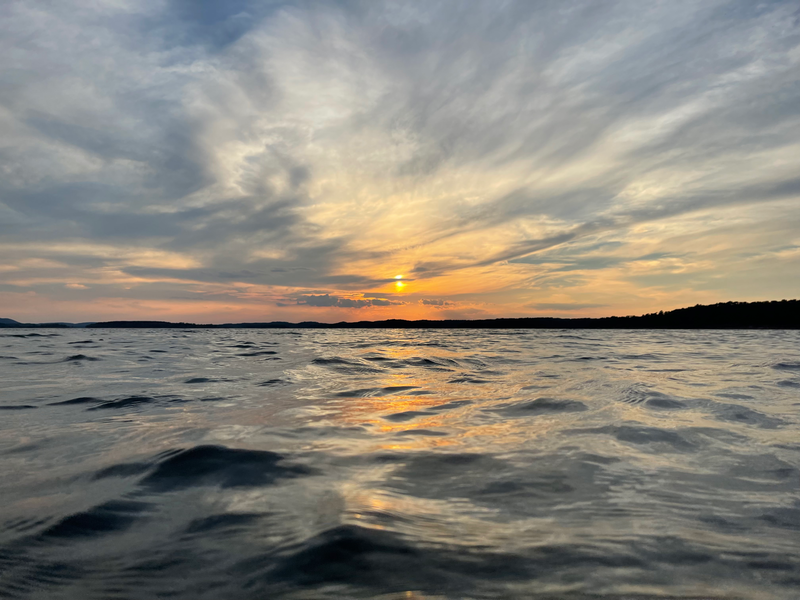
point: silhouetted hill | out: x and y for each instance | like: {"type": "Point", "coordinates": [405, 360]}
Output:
{"type": "Point", "coordinates": [784, 314]}
{"type": "Point", "coordinates": [11, 323]}
{"type": "Point", "coordinates": [149, 325]}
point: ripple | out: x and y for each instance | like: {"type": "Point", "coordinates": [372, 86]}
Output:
{"type": "Point", "coordinates": [273, 382]}
{"type": "Point", "coordinates": [384, 562]}
{"type": "Point", "coordinates": [450, 405]}
{"type": "Point", "coordinates": [345, 366]}
{"type": "Point", "coordinates": [79, 358]}
{"type": "Point", "coordinates": [639, 394]}
{"type": "Point", "coordinates": [783, 517]}
{"type": "Point", "coordinates": [664, 403]}
{"type": "Point", "coordinates": [122, 470]}
{"type": "Point", "coordinates": [787, 366]}
{"type": "Point", "coordinates": [32, 335]}
{"type": "Point", "coordinates": [422, 432]}
{"type": "Point", "coordinates": [643, 436]}
{"type": "Point", "coordinates": [433, 364]}
{"type": "Point", "coordinates": [398, 463]}
{"type": "Point", "coordinates": [540, 406]}
{"type": "Point", "coordinates": [79, 400]}
{"type": "Point", "coordinates": [24, 525]}
{"type": "Point", "coordinates": [734, 413]}
{"type": "Point", "coordinates": [23, 578]}
{"type": "Point", "coordinates": [124, 403]}
{"type": "Point", "coordinates": [345, 554]}
{"type": "Point", "coordinates": [407, 415]}
{"type": "Point", "coordinates": [469, 380]}
{"type": "Point", "coordinates": [203, 380]}
{"type": "Point", "coordinates": [788, 383]}
{"type": "Point", "coordinates": [376, 392]}
{"type": "Point", "coordinates": [110, 517]}
{"type": "Point", "coordinates": [220, 466]}
{"type": "Point", "coordinates": [222, 522]}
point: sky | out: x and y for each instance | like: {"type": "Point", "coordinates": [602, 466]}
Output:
{"type": "Point", "coordinates": [252, 160]}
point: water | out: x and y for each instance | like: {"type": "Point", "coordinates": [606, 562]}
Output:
{"type": "Point", "coordinates": [234, 464]}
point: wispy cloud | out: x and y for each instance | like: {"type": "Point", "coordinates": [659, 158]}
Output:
{"type": "Point", "coordinates": [609, 156]}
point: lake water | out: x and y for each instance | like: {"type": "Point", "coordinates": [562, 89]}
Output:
{"type": "Point", "coordinates": [248, 464]}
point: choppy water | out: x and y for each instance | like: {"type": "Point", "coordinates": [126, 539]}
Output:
{"type": "Point", "coordinates": [412, 464]}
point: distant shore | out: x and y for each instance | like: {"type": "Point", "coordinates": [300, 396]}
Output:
{"type": "Point", "coordinates": [783, 314]}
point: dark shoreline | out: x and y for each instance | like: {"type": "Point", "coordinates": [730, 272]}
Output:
{"type": "Point", "coordinates": [783, 314]}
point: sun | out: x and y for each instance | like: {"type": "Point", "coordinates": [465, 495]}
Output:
{"type": "Point", "coordinates": [399, 285]}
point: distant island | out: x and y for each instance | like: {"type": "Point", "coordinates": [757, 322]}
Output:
{"type": "Point", "coordinates": [783, 314]}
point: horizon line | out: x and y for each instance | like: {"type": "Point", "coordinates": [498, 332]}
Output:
{"type": "Point", "coordinates": [672, 319]}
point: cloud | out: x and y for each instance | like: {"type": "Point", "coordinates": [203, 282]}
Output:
{"type": "Point", "coordinates": [564, 306]}
{"type": "Point", "coordinates": [315, 150]}
{"type": "Point", "coordinates": [327, 300]}
{"type": "Point", "coordinates": [381, 302]}
{"type": "Point", "coordinates": [577, 261]}
{"type": "Point", "coordinates": [435, 302]}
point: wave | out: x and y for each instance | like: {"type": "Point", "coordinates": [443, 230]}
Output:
{"type": "Point", "coordinates": [220, 466]}
{"type": "Point", "coordinates": [79, 400]}
{"type": "Point", "coordinates": [79, 357]}
{"type": "Point", "coordinates": [124, 403]}
{"type": "Point", "coordinates": [363, 465]}
{"type": "Point", "coordinates": [376, 392]}
{"type": "Point", "coordinates": [345, 366]}
{"type": "Point", "coordinates": [109, 517]}
{"type": "Point", "coordinates": [540, 406]}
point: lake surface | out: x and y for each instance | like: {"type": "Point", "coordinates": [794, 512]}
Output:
{"type": "Point", "coordinates": [254, 464]}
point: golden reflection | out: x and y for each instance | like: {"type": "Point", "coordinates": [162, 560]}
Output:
{"type": "Point", "coordinates": [422, 443]}
{"type": "Point", "coordinates": [418, 402]}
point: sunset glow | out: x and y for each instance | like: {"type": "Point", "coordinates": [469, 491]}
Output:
{"type": "Point", "coordinates": [579, 159]}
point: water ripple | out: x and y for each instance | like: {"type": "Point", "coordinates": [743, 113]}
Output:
{"type": "Point", "coordinates": [246, 464]}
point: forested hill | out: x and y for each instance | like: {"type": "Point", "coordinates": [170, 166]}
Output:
{"type": "Point", "coordinates": [783, 314]}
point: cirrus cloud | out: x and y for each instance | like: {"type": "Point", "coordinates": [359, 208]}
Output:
{"type": "Point", "coordinates": [611, 157]}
